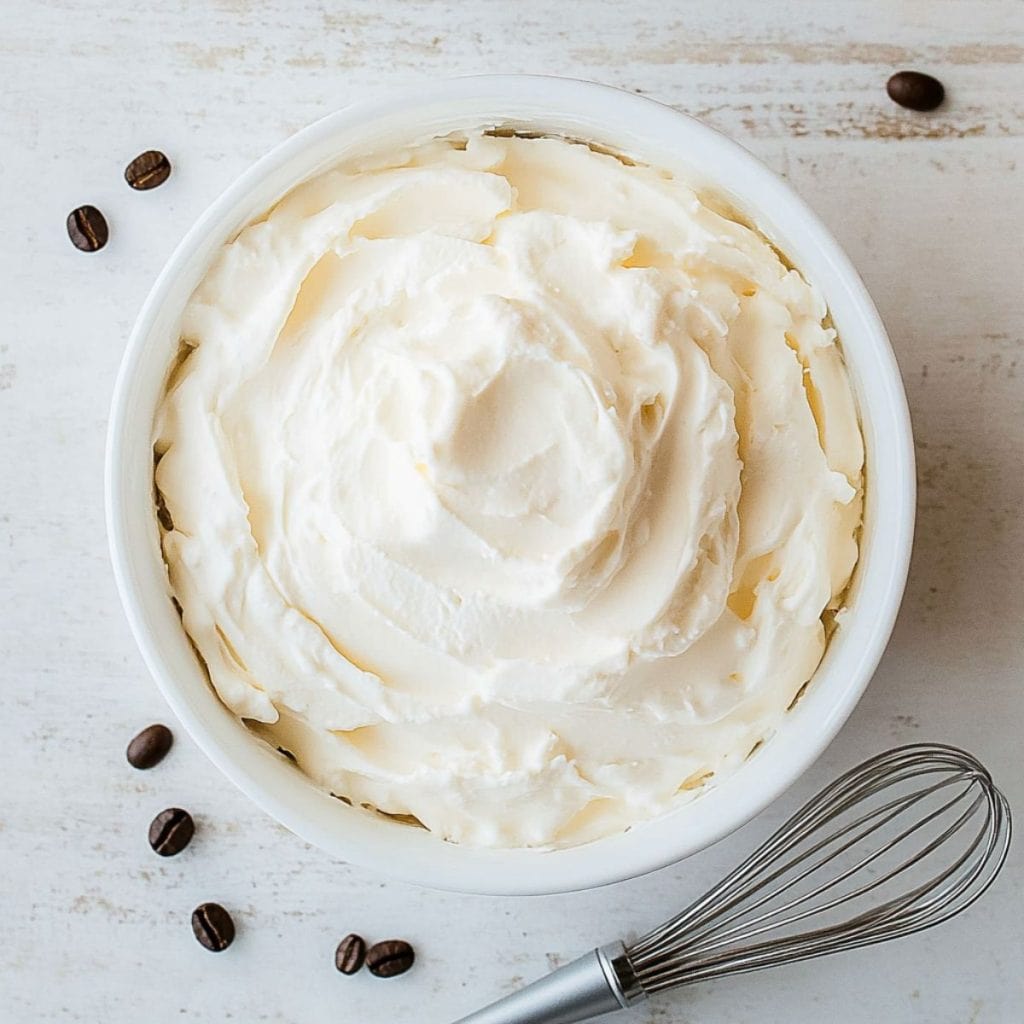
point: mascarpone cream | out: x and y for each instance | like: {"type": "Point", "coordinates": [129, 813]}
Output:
{"type": "Point", "coordinates": [508, 485]}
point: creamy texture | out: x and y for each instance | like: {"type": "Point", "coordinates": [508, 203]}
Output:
{"type": "Point", "coordinates": [509, 486]}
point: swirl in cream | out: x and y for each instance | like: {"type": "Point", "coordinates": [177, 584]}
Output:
{"type": "Point", "coordinates": [510, 483]}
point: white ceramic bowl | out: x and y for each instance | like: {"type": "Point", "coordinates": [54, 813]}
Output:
{"type": "Point", "coordinates": [659, 136]}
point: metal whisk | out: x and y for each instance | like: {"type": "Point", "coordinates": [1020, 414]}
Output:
{"type": "Point", "coordinates": [900, 843]}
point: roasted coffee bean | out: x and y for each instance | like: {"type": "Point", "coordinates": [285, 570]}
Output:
{"type": "Point", "coordinates": [915, 90]}
{"type": "Point", "coordinates": [150, 747]}
{"type": "Point", "coordinates": [350, 954]}
{"type": "Point", "coordinates": [213, 927]}
{"type": "Point", "coordinates": [171, 831]}
{"type": "Point", "coordinates": [148, 170]}
{"type": "Point", "coordinates": [87, 229]}
{"type": "Point", "coordinates": [388, 958]}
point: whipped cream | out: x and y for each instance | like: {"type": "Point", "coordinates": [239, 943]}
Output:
{"type": "Point", "coordinates": [510, 484]}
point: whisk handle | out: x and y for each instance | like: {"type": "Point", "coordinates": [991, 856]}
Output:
{"type": "Point", "coordinates": [598, 983]}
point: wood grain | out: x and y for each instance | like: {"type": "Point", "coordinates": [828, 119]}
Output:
{"type": "Point", "coordinates": [929, 207]}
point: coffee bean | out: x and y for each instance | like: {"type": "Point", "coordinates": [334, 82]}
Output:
{"type": "Point", "coordinates": [350, 954]}
{"type": "Point", "coordinates": [148, 170]}
{"type": "Point", "coordinates": [87, 229]}
{"type": "Point", "coordinates": [915, 90]}
{"type": "Point", "coordinates": [150, 747]}
{"type": "Point", "coordinates": [213, 927]}
{"type": "Point", "coordinates": [171, 831]}
{"type": "Point", "coordinates": [388, 958]}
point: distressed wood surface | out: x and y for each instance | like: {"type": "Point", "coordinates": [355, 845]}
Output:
{"type": "Point", "coordinates": [929, 207]}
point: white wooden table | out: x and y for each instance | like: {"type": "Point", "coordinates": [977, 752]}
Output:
{"type": "Point", "coordinates": [94, 926]}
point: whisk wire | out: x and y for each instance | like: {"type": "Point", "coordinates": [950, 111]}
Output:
{"type": "Point", "coordinates": [684, 924]}
{"type": "Point", "coordinates": [932, 796]}
{"type": "Point", "coordinates": [843, 793]}
{"type": "Point", "coordinates": [774, 915]}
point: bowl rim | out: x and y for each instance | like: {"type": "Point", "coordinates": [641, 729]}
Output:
{"type": "Point", "coordinates": [531, 872]}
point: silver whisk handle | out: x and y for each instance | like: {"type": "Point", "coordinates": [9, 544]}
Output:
{"type": "Point", "coordinates": [595, 984]}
